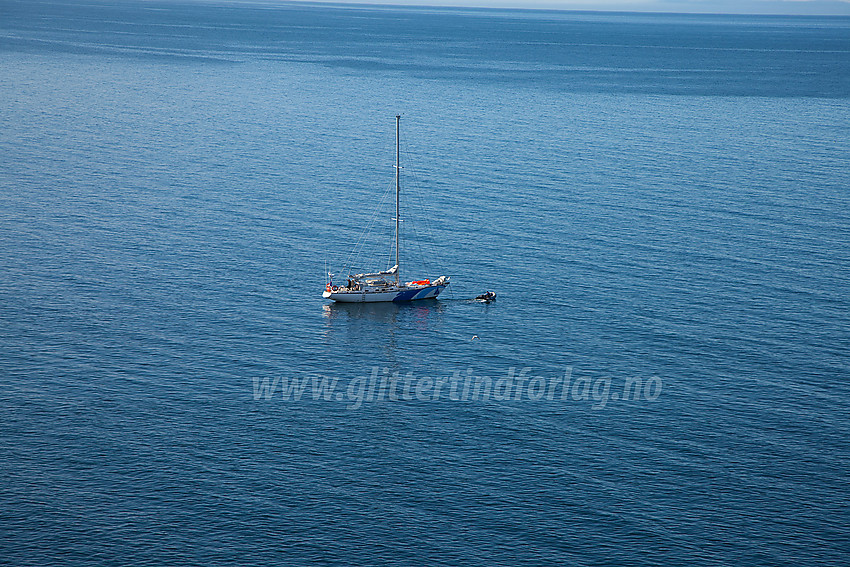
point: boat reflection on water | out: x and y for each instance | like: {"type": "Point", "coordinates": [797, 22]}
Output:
{"type": "Point", "coordinates": [378, 328]}
{"type": "Point", "coordinates": [385, 312]}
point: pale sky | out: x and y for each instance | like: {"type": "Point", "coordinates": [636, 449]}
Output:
{"type": "Point", "coordinates": [811, 7]}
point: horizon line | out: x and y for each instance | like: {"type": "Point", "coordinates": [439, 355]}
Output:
{"type": "Point", "coordinates": [815, 8]}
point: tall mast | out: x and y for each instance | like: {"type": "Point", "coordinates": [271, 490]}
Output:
{"type": "Point", "coordinates": [397, 191]}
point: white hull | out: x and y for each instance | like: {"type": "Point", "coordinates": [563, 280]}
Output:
{"type": "Point", "coordinates": [396, 295]}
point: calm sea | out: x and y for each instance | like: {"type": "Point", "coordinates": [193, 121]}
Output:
{"type": "Point", "coordinates": [660, 202]}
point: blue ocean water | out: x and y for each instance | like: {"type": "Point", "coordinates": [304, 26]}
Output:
{"type": "Point", "coordinates": [660, 201]}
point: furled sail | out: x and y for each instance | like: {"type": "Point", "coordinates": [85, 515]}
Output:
{"type": "Point", "coordinates": [390, 272]}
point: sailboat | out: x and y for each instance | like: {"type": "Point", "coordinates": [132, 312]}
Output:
{"type": "Point", "coordinates": [386, 285]}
